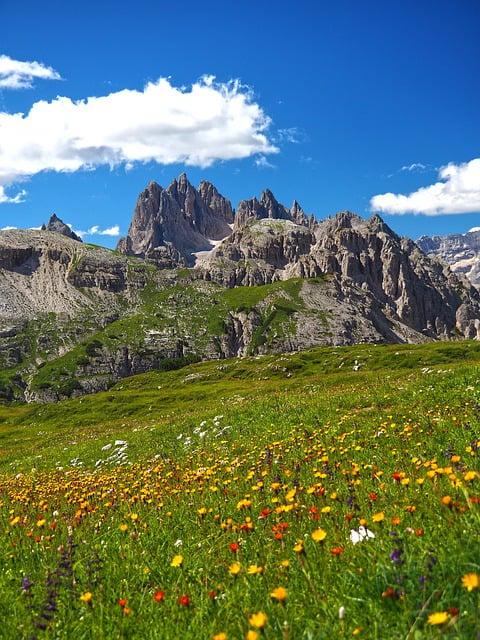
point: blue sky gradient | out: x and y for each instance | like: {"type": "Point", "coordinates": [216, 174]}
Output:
{"type": "Point", "coordinates": [362, 99]}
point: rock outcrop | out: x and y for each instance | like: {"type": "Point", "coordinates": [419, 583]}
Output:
{"type": "Point", "coordinates": [460, 251]}
{"type": "Point", "coordinates": [339, 281]}
{"type": "Point", "coordinates": [170, 225]}
{"type": "Point", "coordinates": [58, 226]}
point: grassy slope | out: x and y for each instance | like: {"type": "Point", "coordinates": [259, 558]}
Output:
{"type": "Point", "coordinates": [324, 439]}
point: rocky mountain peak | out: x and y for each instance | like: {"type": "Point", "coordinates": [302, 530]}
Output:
{"type": "Point", "coordinates": [267, 207]}
{"type": "Point", "coordinates": [460, 251]}
{"type": "Point", "coordinates": [170, 225]}
{"type": "Point", "coordinates": [58, 226]}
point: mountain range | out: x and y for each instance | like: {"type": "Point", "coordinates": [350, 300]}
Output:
{"type": "Point", "coordinates": [197, 279]}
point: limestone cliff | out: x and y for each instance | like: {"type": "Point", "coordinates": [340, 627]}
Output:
{"type": "Point", "coordinates": [460, 251]}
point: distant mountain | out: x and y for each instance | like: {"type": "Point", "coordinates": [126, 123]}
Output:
{"type": "Point", "coordinates": [58, 226]}
{"type": "Point", "coordinates": [460, 251]}
{"type": "Point", "coordinates": [194, 279]}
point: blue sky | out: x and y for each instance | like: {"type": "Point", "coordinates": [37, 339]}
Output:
{"type": "Point", "coordinates": [367, 106]}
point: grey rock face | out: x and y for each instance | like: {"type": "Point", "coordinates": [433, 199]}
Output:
{"type": "Point", "coordinates": [339, 281]}
{"type": "Point", "coordinates": [58, 226]}
{"type": "Point", "coordinates": [174, 223]}
{"type": "Point", "coordinates": [267, 207]}
{"type": "Point", "coordinates": [461, 252]}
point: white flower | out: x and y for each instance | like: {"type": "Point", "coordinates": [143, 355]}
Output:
{"type": "Point", "coordinates": [360, 534]}
{"type": "Point", "coordinates": [178, 543]}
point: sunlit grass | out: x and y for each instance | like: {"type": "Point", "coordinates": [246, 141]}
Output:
{"type": "Point", "coordinates": [333, 493]}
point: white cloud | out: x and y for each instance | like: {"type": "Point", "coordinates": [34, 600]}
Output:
{"type": "Point", "coordinates": [96, 231]}
{"type": "Point", "coordinates": [111, 231]}
{"type": "Point", "coordinates": [457, 191]}
{"type": "Point", "coordinates": [262, 163]}
{"type": "Point", "coordinates": [19, 197]}
{"type": "Point", "coordinates": [211, 121]}
{"type": "Point", "coordinates": [415, 166]}
{"type": "Point", "coordinates": [291, 134]}
{"type": "Point", "coordinates": [15, 74]}
{"type": "Point", "coordinates": [8, 228]}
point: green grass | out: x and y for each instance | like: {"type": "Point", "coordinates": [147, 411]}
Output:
{"type": "Point", "coordinates": [261, 453]}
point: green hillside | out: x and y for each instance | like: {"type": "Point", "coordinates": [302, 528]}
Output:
{"type": "Point", "coordinates": [226, 499]}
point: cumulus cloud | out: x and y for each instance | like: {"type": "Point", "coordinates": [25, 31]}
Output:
{"type": "Point", "coordinates": [457, 191]}
{"type": "Point", "coordinates": [96, 231]}
{"type": "Point", "coordinates": [15, 74]}
{"type": "Point", "coordinates": [209, 122]}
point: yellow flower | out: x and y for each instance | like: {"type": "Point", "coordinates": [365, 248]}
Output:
{"type": "Point", "coordinates": [220, 636]}
{"type": "Point", "coordinates": [470, 581]}
{"type": "Point", "coordinates": [279, 593]}
{"type": "Point", "coordinates": [253, 569]}
{"type": "Point", "coordinates": [438, 618]}
{"type": "Point", "coordinates": [86, 597]}
{"type": "Point", "coordinates": [258, 619]}
{"type": "Point", "coordinates": [235, 568]}
{"type": "Point", "coordinates": [378, 517]}
{"type": "Point", "coordinates": [251, 635]}
{"type": "Point", "coordinates": [177, 561]}
{"type": "Point", "coordinates": [469, 476]}
{"type": "Point", "coordinates": [285, 563]}
{"type": "Point", "coordinates": [123, 527]}
{"type": "Point", "coordinates": [299, 546]}
{"type": "Point", "coordinates": [319, 534]}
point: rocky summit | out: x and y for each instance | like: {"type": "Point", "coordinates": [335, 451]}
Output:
{"type": "Point", "coordinates": [195, 279]}
{"type": "Point", "coordinates": [460, 251]}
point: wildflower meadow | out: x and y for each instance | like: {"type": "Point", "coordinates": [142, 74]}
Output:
{"type": "Point", "coordinates": [328, 494]}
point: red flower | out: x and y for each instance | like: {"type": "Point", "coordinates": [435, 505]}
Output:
{"type": "Point", "coordinates": [159, 595]}
{"type": "Point", "coordinates": [372, 496]}
{"type": "Point", "coordinates": [212, 595]}
{"type": "Point", "coordinates": [336, 551]}
{"type": "Point", "coordinates": [184, 600]}
{"type": "Point", "coordinates": [122, 602]}
{"type": "Point", "coordinates": [234, 547]}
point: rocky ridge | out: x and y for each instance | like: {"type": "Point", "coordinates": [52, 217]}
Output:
{"type": "Point", "coordinates": [195, 279]}
{"type": "Point", "coordinates": [460, 251]}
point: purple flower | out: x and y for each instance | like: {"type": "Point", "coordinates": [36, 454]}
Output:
{"type": "Point", "coordinates": [396, 556]}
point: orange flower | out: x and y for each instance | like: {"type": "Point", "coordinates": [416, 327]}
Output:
{"type": "Point", "coordinates": [159, 595]}
{"type": "Point", "coordinates": [258, 619]}
{"type": "Point", "coordinates": [279, 593]}
{"type": "Point", "coordinates": [336, 551]}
